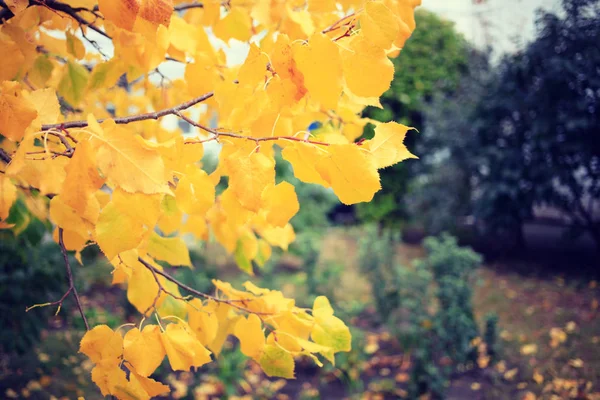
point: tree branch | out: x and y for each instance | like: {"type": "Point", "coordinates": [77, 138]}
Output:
{"type": "Point", "coordinates": [135, 118]}
{"type": "Point", "coordinates": [70, 11]}
{"type": "Point", "coordinates": [72, 287]}
{"type": "Point", "coordinates": [4, 156]}
{"type": "Point", "coordinates": [182, 285]}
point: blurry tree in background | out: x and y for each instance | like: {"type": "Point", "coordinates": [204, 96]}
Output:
{"type": "Point", "coordinates": [432, 62]}
{"type": "Point", "coordinates": [441, 188]}
{"type": "Point", "coordinates": [537, 126]}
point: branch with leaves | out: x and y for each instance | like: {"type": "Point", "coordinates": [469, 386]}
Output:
{"type": "Point", "coordinates": [134, 188]}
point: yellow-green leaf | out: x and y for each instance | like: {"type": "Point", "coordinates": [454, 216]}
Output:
{"type": "Point", "coordinates": [275, 361]}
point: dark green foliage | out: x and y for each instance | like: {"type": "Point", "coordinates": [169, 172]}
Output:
{"type": "Point", "coordinates": [31, 272]}
{"type": "Point", "coordinates": [537, 126]}
{"type": "Point", "coordinates": [440, 191]}
{"type": "Point", "coordinates": [427, 306]}
{"type": "Point", "coordinates": [377, 253]}
{"type": "Point", "coordinates": [453, 269]}
{"type": "Point", "coordinates": [431, 63]}
{"type": "Point", "coordinates": [490, 336]}
{"type": "Point", "coordinates": [320, 278]}
{"type": "Point", "coordinates": [230, 369]}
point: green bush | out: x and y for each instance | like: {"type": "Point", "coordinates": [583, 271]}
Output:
{"type": "Point", "coordinates": [427, 306]}
{"type": "Point", "coordinates": [31, 272]}
{"type": "Point", "coordinates": [454, 323]}
{"type": "Point", "coordinates": [376, 258]}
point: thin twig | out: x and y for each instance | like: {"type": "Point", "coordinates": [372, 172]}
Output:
{"type": "Point", "coordinates": [72, 287]}
{"type": "Point", "coordinates": [4, 156]}
{"type": "Point", "coordinates": [72, 12]}
{"type": "Point", "coordinates": [182, 285]}
{"type": "Point", "coordinates": [336, 24]}
{"type": "Point", "coordinates": [134, 118]}
{"type": "Point", "coordinates": [162, 289]}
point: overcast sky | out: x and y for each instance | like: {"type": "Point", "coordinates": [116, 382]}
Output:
{"type": "Point", "coordinates": [509, 23]}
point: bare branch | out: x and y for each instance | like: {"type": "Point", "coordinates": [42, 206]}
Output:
{"type": "Point", "coordinates": [72, 12]}
{"type": "Point", "coordinates": [137, 117]}
{"type": "Point", "coordinates": [72, 287]}
{"type": "Point", "coordinates": [4, 156]}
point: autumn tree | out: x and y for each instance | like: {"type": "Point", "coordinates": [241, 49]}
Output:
{"type": "Point", "coordinates": [83, 100]}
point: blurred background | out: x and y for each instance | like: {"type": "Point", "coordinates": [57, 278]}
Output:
{"type": "Point", "coordinates": [472, 274]}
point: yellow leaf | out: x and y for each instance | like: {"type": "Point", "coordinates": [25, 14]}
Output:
{"type": "Point", "coordinates": [125, 221]}
{"type": "Point", "coordinates": [254, 68]}
{"type": "Point", "coordinates": [46, 104]}
{"type": "Point", "coordinates": [172, 250]}
{"type": "Point", "coordinates": [203, 321]}
{"type": "Point", "coordinates": [142, 289]}
{"type": "Point", "coordinates": [281, 203]}
{"type": "Point", "coordinates": [329, 331]}
{"type": "Point", "coordinates": [183, 348]}
{"type": "Point", "coordinates": [125, 161]}
{"type": "Point", "coordinates": [249, 332]}
{"type": "Point", "coordinates": [196, 225]}
{"type": "Point", "coordinates": [277, 236]}
{"type": "Point", "coordinates": [378, 24]}
{"type": "Point", "coordinates": [12, 65]}
{"type": "Point", "coordinates": [171, 216]}
{"type": "Point", "coordinates": [226, 325]}
{"type": "Point", "coordinates": [195, 192]}
{"type": "Point", "coordinates": [529, 349]}
{"type": "Point", "coordinates": [68, 218]}
{"type": "Point", "coordinates": [529, 396]}
{"type": "Point", "coordinates": [16, 113]}
{"type": "Point", "coordinates": [275, 361]}
{"type": "Point", "coordinates": [510, 374]}
{"type": "Point", "coordinates": [236, 25]}
{"type": "Point", "coordinates": [144, 349]}
{"type": "Point", "coordinates": [249, 176]}
{"type": "Point", "coordinates": [148, 386]}
{"type": "Point", "coordinates": [83, 178]}
{"type": "Point", "coordinates": [368, 72]}
{"type": "Point", "coordinates": [321, 65]}
{"type": "Point", "coordinates": [102, 344]}
{"type": "Point", "coordinates": [576, 363]}
{"type": "Point", "coordinates": [350, 172]}
{"type": "Point", "coordinates": [109, 377]}
{"type": "Point", "coordinates": [8, 195]}
{"type": "Point", "coordinates": [183, 35]}
{"type": "Point", "coordinates": [304, 158]}
{"type": "Point", "coordinates": [200, 75]}
{"type": "Point", "coordinates": [538, 378]}
{"type": "Point", "coordinates": [121, 13]}
{"type": "Point", "coordinates": [387, 146]}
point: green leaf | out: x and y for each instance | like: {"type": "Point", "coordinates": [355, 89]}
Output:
{"type": "Point", "coordinates": [73, 83]}
{"type": "Point", "coordinates": [275, 361]}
